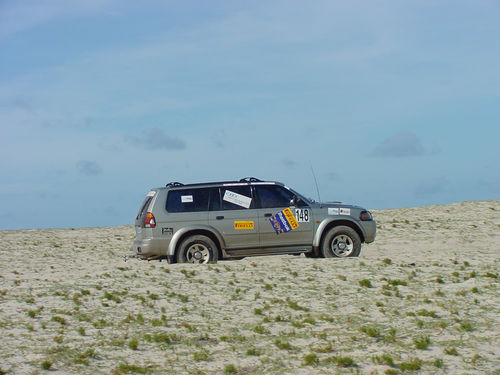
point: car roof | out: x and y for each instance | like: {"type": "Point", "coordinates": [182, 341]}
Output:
{"type": "Point", "coordinates": [243, 181]}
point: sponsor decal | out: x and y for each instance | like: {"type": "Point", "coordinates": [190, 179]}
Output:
{"type": "Point", "coordinates": [167, 231]}
{"type": "Point", "coordinates": [345, 211]}
{"type": "Point", "coordinates": [151, 193]}
{"type": "Point", "coordinates": [283, 221]}
{"type": "Point", "coordinates": [333, 211]}
{"type": "Point", "coordinates": [186, 198]}
{"type": "Point", "coordinates": [238, 199]}
{"type": "Point", "coordinates": [248, 225]}
{"type": "Point", "coordinates": [339, 211]}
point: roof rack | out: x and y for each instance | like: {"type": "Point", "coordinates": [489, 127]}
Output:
{"type": "Point", "coordinates": [250, 179]}
{"type": "Point", "coordinates": [174, 184]}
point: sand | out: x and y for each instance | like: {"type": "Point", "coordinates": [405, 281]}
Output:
{"type": "Point", "coordinates": [423, 298]}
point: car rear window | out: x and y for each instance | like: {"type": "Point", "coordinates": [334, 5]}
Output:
{"type": "Point", "coordinates": [187, 200]}
{"type": "Point", "coordinates": [144, 206]}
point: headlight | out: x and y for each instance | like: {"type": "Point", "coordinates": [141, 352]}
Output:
{"type": "Point", "coordinates": [365, 216]}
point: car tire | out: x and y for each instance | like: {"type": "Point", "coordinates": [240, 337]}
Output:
{"type": "Point", "coordinates": [341, 242]}
{"type": "Point", "coordinates": [197, 249]}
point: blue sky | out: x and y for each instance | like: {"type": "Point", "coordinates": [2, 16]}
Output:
{"type": "Point", "coordinates": [393, 103]}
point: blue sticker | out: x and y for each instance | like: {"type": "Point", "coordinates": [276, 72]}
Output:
{"type": "Point", "coordinates": [280, 222]}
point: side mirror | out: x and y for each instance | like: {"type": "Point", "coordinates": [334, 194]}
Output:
{"type": "Point", "coordinates": [294, 201]}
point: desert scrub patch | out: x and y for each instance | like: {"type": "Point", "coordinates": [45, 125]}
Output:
{"type": "Point", "coordinates": [59, 319]}
{"type": "Point", "coordinates": [189, 327]}
{"type": "Point", "coordinates": [133, 344]}
{"type": "Point", "coordinates": [341, 361]}
{"type": "Point", "coordinates": [253, 352]}
{"type": "Point", "coordinates": [101, 323]}
{"type": "Point", "coordinates": [34, 313]}
{"type": "Point", "coordinates": [422, 342]}
{"type": "Point", "coordinates": [282, 344]}
{"type": "Point", "coordinates": [311, 359]}
{"type": "Point", "coordinates": [161, 338]}
{"type": "Point", "coordinates": [413, 365]}
{"type": "Point", "coordinates": [438, 363]}
{"type": "Point", "coordinates": [427, 313]}
{"type": "Point", "coordinates": [230, 369]}
{"type": "Point", "coordinates": [161, 322]}
{"type": "Point", "coordinates": [466, 326]}
{"type": "Point", "coordinates": [127, 368]}
{"type": "Point", "coordinates": [397, 282]}
{"type": "Point", "coordinates": [384, 359]}
{"type": "Point", "coordinates": [112, 297]}
{"type": "Point", "coordinates": [295, 306]}
{"type": "Point", "coordinates": [201, 356]}
{"type": "Point", "coordinates": [83, 358]}
{"type": "Point", "coordinates": [260, 329]}
{"type": "Point", "coordinates": [46, 365]}
{"type": "Point", "coordinates": [365, 283]}
{"type": "Point", "coordinates": [370, 331]}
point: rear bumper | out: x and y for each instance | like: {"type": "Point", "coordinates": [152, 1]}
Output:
{"type": "Point", "coordinates": [149, 247]}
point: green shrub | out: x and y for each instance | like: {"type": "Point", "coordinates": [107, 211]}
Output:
{"type": "Point", "coordinates": [365, 283]}
{"type": "Point", "coordinates": [230, 369]}
{"type": "Point", "coordinates": [422, 343]}
{"type": "Point", "coordinates": [311, 359]}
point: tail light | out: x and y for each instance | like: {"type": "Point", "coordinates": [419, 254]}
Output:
{"type": "Point", "coordinates": [149, 221]}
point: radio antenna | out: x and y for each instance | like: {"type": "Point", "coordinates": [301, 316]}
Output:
{"type": "Point", "coordinates": [315, 181]}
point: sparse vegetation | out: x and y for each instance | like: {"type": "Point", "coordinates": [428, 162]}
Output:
{"type": "Point", "coordinates": [400, 301]}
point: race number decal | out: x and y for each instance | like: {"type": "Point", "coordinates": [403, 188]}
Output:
{"type": "Point", "coordinates": [302, 215]}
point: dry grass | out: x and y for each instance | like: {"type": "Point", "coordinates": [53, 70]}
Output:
{"type": "Point", "coordinates": [424, 297]}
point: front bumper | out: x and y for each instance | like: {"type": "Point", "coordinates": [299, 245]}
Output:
{"type": "Point", "coordinates": [370, 230]}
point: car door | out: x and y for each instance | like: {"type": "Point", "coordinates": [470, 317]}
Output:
{"type": "Point", "coordinates": [271, 200]}
{"type": "Point", "coordinates": [233, 214]}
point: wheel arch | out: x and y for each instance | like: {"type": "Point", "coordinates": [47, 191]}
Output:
{"type": "Point", "coordinates": [182, 234]}
{"type": "Point", "coordinates": [326, 225]}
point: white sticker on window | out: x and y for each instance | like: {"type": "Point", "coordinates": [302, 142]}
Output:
{"type": "Point", "coordinates": [240, 200]}
{"type": "Point", "coordinates": [345, 211]}
{"type": "Point", "coordinates": [187, 199]}
{"type": "Point", "coordinates": [333, 211]}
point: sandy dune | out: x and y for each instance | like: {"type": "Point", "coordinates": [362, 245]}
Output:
{"type": "Point", "coordinates": [423, 298]}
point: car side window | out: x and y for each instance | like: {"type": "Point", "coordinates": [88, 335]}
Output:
{"type": "Point", "coordinates": [271, 196]}
{"type": "Point", "coordinates": [187, 200]}
{"type": "Point", "coordinates": [215, 204]}
{"type": "Point", "coordinates": [236, 197]}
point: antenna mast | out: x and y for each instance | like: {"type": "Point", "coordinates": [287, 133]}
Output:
{"type": "Point", "coordinates": [315, 181]}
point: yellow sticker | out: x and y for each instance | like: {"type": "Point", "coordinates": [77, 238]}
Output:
{"type": "Point", "coordinates": [244, 225]}
{"type": "Point", "coordinates": [291, 218]}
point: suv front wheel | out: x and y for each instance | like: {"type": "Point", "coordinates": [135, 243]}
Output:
{"type": "Point", "coordinates": [341, 242]}
{"type": "Point", "coordinates": [197, 249]}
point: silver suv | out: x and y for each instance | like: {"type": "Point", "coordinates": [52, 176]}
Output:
{"type": "Point", "coordinates": [202, 223]}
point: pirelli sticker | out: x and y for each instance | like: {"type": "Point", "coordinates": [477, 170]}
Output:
{"type": "Point", "coordinates": [244, 225]}
{"type": "Point", "coordinates": [284, 221]}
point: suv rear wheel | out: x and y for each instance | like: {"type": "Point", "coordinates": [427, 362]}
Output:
{"type": "Point", "coordinates": [197, 249]}
{"type": "Point", "coordinates": [341, 242]}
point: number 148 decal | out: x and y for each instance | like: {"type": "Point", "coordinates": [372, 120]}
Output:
{"type": "Point", "coordinates": [302, 215]}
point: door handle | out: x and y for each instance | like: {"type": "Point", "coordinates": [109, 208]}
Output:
{"type": "Point", "coordinates": [268, 215]}
{"type": "Point", "coordinates": [219, 217]}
